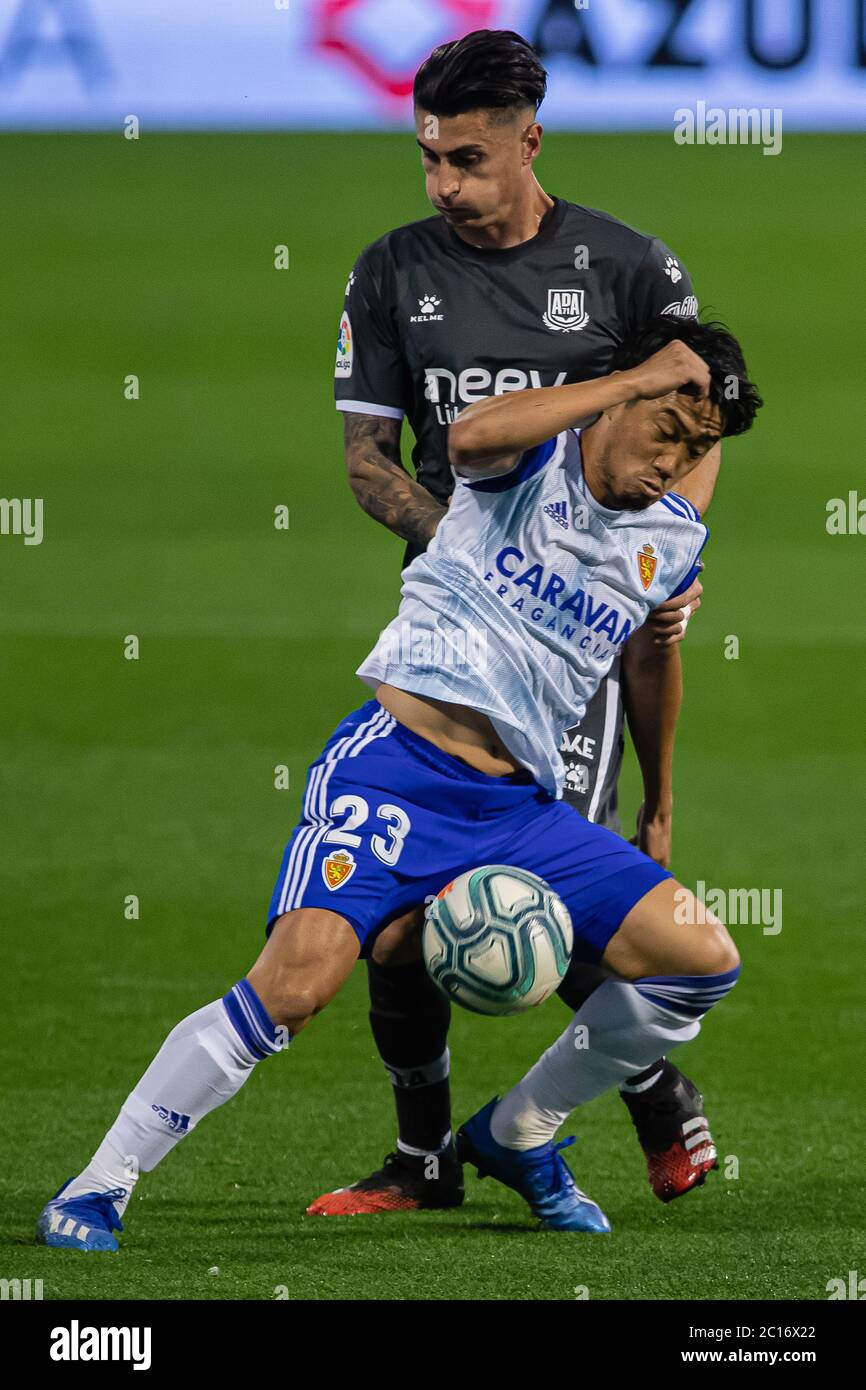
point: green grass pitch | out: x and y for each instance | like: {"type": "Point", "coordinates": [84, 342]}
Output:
{"type": "Point", "coordinates": [156, 777]}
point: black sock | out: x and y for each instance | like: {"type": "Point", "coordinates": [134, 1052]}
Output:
{"type": "Point", "coordinates": [409, 1017]}
{"type": "Point", "coordinates": [654, 1072]}
{"type": "Point", "coordinates": [579, 982]}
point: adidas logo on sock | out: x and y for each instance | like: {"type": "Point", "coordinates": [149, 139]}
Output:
{"type": "Point", "coordinates": [558, 511]}
{"type": "Point", "coordinates": [180, 1123]}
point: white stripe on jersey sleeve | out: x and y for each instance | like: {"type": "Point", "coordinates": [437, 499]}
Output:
{"type": "Point", "coordinates": [389, 412]}
{"type": "Point", "coordinates": [691, 509]}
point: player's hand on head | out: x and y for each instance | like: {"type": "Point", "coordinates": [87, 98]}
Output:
{"type": "Point", "coordinates": [673, 368]}
{"type": "Point", "coordinates": [670, 620]}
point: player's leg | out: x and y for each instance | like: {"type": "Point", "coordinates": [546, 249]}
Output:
{"type": "Point", "coordinates": [625, 914]}
{"type": "Point", "coordinates": [669, 976]}
{"type": "Point", "coordinates": [395, 805]}
{"type": "Point", "coordinates": [409, 1019]}
{"type": "Point", "coordinates": [665, 1106]}
{"type": "Point", "coordinates": [204, 1062]}
{"type": "Point", "coordinates": [457, 812]}
{"type": "Point", "coordinates": [336, 884]}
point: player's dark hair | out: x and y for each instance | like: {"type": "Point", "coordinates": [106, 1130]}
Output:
{"type": "Point", "coordinates": [737, 398]}
{"type": "Point", "coordinates": [489, 69]}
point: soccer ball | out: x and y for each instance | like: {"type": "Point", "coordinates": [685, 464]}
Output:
{"type": "Point", "coordinates": [497, 940]}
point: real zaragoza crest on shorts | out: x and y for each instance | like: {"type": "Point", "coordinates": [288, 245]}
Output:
{"type": "Point", "coordinates": [646, 565]}
{"type": "Point", "coordinates": [338, 868]}
{"type": "Point", "coordinates": [565, 311]}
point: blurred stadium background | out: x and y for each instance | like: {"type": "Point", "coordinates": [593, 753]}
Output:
{"type": "Point", "coordinates": [263, 125]}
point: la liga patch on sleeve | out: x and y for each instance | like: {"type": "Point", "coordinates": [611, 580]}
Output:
{"type": "Point", "coordinates": [345, 348]}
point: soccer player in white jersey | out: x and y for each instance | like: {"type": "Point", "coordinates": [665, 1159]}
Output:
{"type": "Point", "coordinates": [446, 770]}
{"type": "Point", "coordinates": [506, 286]}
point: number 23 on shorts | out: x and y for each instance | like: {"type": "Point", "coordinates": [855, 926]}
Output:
{"type": "Point", "coordinates": [387, 847]}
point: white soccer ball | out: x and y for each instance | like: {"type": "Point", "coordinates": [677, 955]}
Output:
{"type": "Point", "coordinates": [497, 940]}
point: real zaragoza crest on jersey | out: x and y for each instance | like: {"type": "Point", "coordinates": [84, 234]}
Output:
{"type": "Point", "coordinates": [565, 311]}
{"type": "Point", "coordinates": [555, 607]}
{"type": "Point", "coordinates": [646, 564]}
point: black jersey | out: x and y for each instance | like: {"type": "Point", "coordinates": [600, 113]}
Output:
{"type": "Point", "coordinates": [431, 324]}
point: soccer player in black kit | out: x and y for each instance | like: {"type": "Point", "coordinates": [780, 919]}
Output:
{"type": "Point", "coordinates": [505, 287]}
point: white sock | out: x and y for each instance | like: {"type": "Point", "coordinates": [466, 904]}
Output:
{"type": "Point", "coordinates": [203, 1062]}
{"type": "Point", "coordinates": [615, 1034]}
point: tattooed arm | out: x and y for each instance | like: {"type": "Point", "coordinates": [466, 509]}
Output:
{"type": "Point", "coordinates": [380, 482]}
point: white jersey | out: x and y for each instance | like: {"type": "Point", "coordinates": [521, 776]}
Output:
{"type": "Point", "coordinates": [525, 596]}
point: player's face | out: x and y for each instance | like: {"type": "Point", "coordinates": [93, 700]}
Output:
{"type": "Point", "coordinates": [476, 165]}
{"type": "Point", "coordinates": [645, 448]}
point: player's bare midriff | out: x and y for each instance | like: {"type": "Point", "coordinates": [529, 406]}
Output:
{"type": "Point", "coordinates": [463, 732]}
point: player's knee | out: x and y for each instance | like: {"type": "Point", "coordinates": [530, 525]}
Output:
{"type": "Point", "coordinates": [291, 994]}
{"type": "Point", "coordinates": [718, 955]}
{"type": "Point", "coordinates": [291, 1002]}
{"type": "Point", "coordinates": [307, 957]}
{"type": "Point", "coordinates": [702, 980]}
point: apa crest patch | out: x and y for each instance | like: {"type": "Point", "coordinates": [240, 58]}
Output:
{"type": "Point", "coordinates": [566, 312]}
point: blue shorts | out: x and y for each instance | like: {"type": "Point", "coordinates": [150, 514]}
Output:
{"type": "Point", "coordinates": [388, 819]}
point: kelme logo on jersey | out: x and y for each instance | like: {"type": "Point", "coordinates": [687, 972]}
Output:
{"type": "Point", "coordinates": [338, 868]}
{"type": "Point", "coordinates": [565, 311]}
{"type": "Point", "coordinates": [646, 565]}
{"type": "Point", "coordinates": [345, 348]}
{"type": "Point", "coordinates": [428, 304]}
{"type": "Point", "coordinates": [577, 778]}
